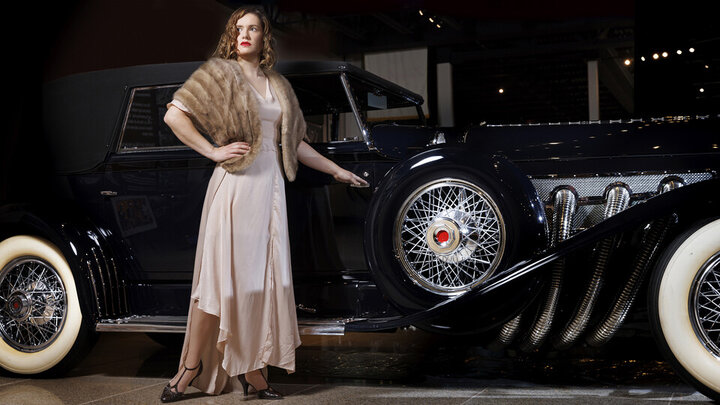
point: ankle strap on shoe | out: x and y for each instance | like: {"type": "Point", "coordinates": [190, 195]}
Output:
{"type": "Point", "coordinates": [190, 369]}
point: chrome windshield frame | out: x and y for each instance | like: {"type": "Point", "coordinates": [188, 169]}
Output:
{"type": "Point", "coordinates": [356, 112]}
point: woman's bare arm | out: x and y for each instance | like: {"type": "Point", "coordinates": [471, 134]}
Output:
{"type": "Point", "coordinates": [311, 158]}
{"type": "Point", "coordinates": [184, 129]}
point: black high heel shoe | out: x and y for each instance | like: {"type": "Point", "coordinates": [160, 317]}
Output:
{"type": "Point", "coordinates": [168, 395]}
{"type": "Point", "coordinates": [267, 393]}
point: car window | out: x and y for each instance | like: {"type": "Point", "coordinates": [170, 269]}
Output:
{"type": "Point", "coordinates": [143, 128]}
{"type": "Point", "coordinates": [337, 127]}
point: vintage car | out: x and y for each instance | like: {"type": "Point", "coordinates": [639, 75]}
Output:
{"type": "Point", "coordinates": [536, 237]}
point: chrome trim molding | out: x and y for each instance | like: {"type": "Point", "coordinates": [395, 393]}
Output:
{"type": "Point", "coordinates": [356, 112]}
{"type": "Point", "coordinates": [323, 327]}
{"type": "Point", "coordinates": [118, 148]}
{"type": "Point", "coordinates": [143, 323]}
{"type": "Point", "coordinates": [178, 324]}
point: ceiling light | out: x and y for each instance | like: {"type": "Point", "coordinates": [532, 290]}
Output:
{"type": "Point", "coordinates": [679, 51]}
{"type": "Point", "coordinates": [691, 50]}
{"type": "Point", "coordinates": [627, 62]}
{"type": "Point", "coordinates": [431, 20]}
{"type": "Point", "coordinates": [664, 54]}
{"type": "Point", "coordinates": [702, 90]}
{"type": "Point", "coordinates": [421, 13]}
{"type": "Point", "coordinates": [501, 91]}
{"type": "Point", "coordinates": [642, 58]}
{"type": "Point", "coordinates": [655, 56]}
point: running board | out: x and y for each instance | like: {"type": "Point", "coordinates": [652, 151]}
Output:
{"type": "Point", "coordinates": [177, 324]}
{"type": "Point", "coordinates": [143, 323]}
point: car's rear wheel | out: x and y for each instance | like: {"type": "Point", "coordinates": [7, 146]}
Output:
{"type": "Point", "coordinates": [42, 329]}
{"type": "Point", "coordinates": [685, 306]}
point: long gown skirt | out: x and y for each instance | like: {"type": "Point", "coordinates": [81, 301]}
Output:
{"type": "Point", "coordinates": [242, 272]}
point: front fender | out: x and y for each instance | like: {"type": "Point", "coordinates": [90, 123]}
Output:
{"type": "Point", "coordinates": [85, 246]}
{"type": "Point", "coordinates": [522, 214]}
{"type": "Point", "coordinates": [508, 181]}
{"type": "Point", "coordinates": [693, 202]}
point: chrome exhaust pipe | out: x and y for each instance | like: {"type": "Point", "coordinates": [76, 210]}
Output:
{"type": "Point", "coordinates": [565, 203]}
{"type": "Point", "coordinates": [617, 196]}
{"type": "Point", "coordinates": [507, 333]}
{"type": "Point", "coordinates": [652, 239]}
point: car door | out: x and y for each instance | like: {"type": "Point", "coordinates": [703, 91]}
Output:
{"type": "Point", "coordinates": [155, 187]}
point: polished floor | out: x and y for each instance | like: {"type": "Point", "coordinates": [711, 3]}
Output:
{"type": "Point", "coordinates": [405, 367]}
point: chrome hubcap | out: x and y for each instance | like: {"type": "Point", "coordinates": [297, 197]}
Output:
{"type": "Point", "coordinates": [443, 235]}
{"type": "Point", "coordinates": [449, 236]}
{"type": "Point", "coordinates": [705, 304]}
{"type": "Point", "coordinates": [32, 304]}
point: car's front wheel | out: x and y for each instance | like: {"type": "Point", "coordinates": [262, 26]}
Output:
{"type": "Point", "coordinates": [684, 302]}
{"type": "Point", "coordinates": [42, 328]}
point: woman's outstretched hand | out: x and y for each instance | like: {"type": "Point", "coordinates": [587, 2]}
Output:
{"type": "Point", "coordinates": [229, 151]}
{"type": "Point", "coordinates": [345, 176]}
{"type": "Point", "coordinates": [311, 158]}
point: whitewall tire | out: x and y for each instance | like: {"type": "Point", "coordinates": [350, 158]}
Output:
{"type": "Point", "coordinates": [685, 306]}
{"type": "Point", "coordinates": [40, 316]}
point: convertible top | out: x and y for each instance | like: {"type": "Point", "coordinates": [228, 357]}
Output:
{"type": "Point", "coordinates": [82, 113]}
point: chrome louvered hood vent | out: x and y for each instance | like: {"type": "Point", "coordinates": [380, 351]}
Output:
{"type": "Point", "coordinates": [590, 190]}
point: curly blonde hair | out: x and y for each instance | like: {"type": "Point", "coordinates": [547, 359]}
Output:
{"type": "Point", "coordinates": [227, 46]}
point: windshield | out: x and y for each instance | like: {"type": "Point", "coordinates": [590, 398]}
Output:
{"type": "Point", "coordinates": [328, 112]}
{"type": "Point", "coordinates": [378, 105]}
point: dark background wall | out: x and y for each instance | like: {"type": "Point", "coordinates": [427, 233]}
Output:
{"type": "Point", "coordinates": [540, 48]}
{"type": "Point", "coordinates": [54, 39]}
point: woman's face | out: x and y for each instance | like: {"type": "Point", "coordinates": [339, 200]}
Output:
{"type": "Point", "coordinates": [249, 36]}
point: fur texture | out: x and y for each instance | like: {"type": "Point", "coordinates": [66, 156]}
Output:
{"type": "Point", "coordinates": [222, 106]}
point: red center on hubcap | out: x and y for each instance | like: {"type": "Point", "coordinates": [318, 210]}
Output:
{"type": "Point", "coordinates": [15, 304]}
{"type": "Point", "coordinates": [442, 236]}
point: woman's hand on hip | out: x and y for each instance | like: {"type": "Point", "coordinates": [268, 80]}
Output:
{"type": "Point", "coordinates": [229, 151]}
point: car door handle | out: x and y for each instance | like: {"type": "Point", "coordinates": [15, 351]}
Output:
{"type": "Point", "coordinates": [108, 193]}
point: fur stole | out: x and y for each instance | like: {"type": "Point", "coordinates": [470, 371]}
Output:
{"type": "Point", "coordinates": [222, 106]}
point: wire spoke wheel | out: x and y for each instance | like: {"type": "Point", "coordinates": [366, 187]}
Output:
{"type": "Point", "coordinates": [449, 236]}
{"type": "Point", "coordinates": [705, 304]}
{"type": "Point", "coordinates": [684, 305]}
{"type": "Point", "coordinates": [32, 304]}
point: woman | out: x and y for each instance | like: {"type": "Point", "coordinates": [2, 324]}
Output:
{"type": "Point", "coordinates": [242, 307]}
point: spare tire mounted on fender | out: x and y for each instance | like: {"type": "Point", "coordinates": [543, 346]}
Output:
{"type": "Point", "coordinates": [449, 236]}
{"type": "Point", "coordinates": [442, 223]}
